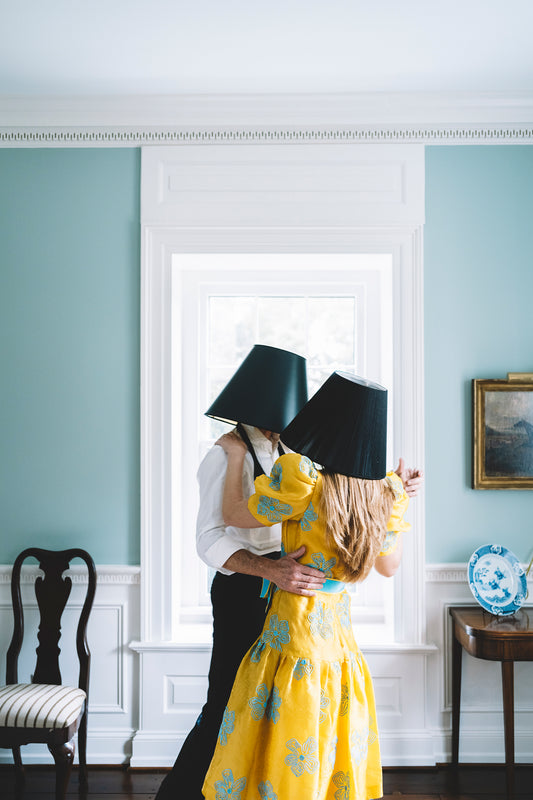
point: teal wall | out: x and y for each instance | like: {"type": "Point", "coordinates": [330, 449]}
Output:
{"type": "Point", "coordinates": [478, 324]}
{"type": "Point", "coordinates": [69, 358]}
{"type": "Point", "coordinates": [69, 333]}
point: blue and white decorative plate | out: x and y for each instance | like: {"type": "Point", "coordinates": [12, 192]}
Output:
{"type": "Point", "coordinates": [497, 579]}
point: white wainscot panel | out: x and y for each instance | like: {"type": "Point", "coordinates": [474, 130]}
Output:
{"type": "Point", "coordinates": [174, 680]}
{"type": "Point", "coordinates": [399, 677]}
{"type": "Point", "coordinates": [114, 621]}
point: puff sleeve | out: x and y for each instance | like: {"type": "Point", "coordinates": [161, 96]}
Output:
{"type": "Point", "coordinates": [396, 524]}
{"type": "Point", "coordinates": [286, 493]}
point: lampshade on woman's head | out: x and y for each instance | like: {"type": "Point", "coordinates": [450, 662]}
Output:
{"type": "Point", "coordinates": [343, 427]}
{"type": "Point", "coordinates": [267, 391]}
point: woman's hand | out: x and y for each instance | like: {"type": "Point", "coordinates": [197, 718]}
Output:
{"type": "Point", "coordinates": [412, 478]}
{"type": "Point", "coordinates": [232, 443]}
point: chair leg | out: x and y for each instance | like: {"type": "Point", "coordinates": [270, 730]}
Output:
{"type": "Point", "coordinates": [63, 756]}
{"type": "Point", "coordinates": [82, 750]}
{"type": "Point", "coordinates": [17, 758]}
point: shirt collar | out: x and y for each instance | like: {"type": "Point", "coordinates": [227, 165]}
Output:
{"type": "Point", "coordinates": [258, 441]}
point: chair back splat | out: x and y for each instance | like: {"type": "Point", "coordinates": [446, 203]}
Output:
{"type": "Point", "coordinates": [52, 592]}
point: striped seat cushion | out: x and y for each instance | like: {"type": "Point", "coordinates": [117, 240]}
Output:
{"type": "Point", "coordinates": [39, 705]}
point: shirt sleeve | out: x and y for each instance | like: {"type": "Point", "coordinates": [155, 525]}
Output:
{"type": "Point", "coordinates": [213, 544]}
{"type": "Point", "coordinates": [285, 493]}
{"type": "Point", "coordinates": [396, 524]}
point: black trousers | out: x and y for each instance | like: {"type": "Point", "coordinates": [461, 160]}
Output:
{"type": "Point", "coordinates": [238, 617]}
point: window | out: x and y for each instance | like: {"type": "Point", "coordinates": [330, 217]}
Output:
{"type": "Point", "coordinates": [335, 310]}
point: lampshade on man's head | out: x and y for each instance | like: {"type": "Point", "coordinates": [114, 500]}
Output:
{"type": "Point", "coordinates": [267, 391]}
{"type": "Point", "coordinates": [343, 427]}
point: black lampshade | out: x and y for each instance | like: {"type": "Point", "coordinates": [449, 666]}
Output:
{"type": "Point", "coordinates": [343, 427]}
{"type": "Point", "coordinates": [267, 391]}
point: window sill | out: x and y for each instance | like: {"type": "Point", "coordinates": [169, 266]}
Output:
{"type": "Point", "coordinates": [198, 637]}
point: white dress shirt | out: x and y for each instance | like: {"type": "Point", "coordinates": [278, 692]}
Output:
{"type": "Point", "coordinates": [215, 542]}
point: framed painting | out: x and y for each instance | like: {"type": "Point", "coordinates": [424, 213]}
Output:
{"type": "Point", "coordinates": [503, 433]}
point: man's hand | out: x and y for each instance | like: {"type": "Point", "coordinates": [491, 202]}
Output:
{"type": "Point", "coordinates": [411, 477]}
{"type": "Point", "coordinates": [293, 577]}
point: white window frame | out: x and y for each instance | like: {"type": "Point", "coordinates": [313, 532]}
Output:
{"type": "Point", "coordinates": [160, 398]}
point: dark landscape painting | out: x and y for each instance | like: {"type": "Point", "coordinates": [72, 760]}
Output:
{"type": "Point", "coordinates": [509, 434]}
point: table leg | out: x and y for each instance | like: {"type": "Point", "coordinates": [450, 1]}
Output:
{"type": "Point", "coordinates": [508, 723]}
{"type": "Point", "coordinates": [457, 655]}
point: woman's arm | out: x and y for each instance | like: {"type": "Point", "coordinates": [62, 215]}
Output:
{"type": "Point", "coordinates": [388, 565]}
{"type": "Point", "coordinates": [234, 506]}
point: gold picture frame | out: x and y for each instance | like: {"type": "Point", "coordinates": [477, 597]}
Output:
{"type": "Point", "coordinates": [503, 432]}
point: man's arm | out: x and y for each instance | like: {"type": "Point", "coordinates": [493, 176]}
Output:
{"type": "Point", "coordinates": [214, 543]}
{"type": "Point", "coordinates": [287, 573]}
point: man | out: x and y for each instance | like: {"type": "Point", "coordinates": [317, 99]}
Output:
{"type": "Point", "coordinates": [266, 392]}
{"type": "Point", "coordinates": [264, 395]}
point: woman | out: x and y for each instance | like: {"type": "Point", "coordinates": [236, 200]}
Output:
{"type": "Point", "coordinates": [300, 722]}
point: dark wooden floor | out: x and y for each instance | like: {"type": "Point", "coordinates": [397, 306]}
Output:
{"type": "Point", "coordinates": [476, 782]}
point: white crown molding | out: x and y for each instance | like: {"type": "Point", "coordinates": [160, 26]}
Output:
{"type": "Point", "coordinates": [105, 574]}
{"type": "Point", "coordinates": [137, 137]}
{"type": "Point", "coordinates": [131, 121]}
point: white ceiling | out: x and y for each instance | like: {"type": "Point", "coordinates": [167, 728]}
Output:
{"type": "Point", "coordinates": [145, 47]}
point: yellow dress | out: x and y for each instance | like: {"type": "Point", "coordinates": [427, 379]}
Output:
{"type": "Point", "coordinates": [300, 723]}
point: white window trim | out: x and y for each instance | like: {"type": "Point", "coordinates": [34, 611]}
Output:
{"type": "Point", "coordinates": [159, 396]}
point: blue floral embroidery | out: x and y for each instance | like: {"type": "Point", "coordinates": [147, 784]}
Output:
{"type": "Point", "coordinates": [258, 703]}
{"type": "Point", "coordinates": [307, 467]}
{"type": "Point", "coordinates": [277, 632]}
{"type": "Point", "coordinates": [333, 751]}
{"type": "Point", "coordinates": [324, 703]}
{"type": "Point", "coordinates": [257, 651]}
{"type": "Point", "coordinates": [266, 791]}
{"type": "Point", "coordinates": [337, 667]}
{"type": "Point", "coordinates": [319, 561]}
{"type": "Point", "coordinates": [275, 477]}
{"type": "Point", "coordinates": [265, 702]}
{"type": "Point", "coordinates": [321, 620]}
{"type": "Point", "coordinates": [303, 667]}
{"type": "Point", "coordinates": [345, 699]}
{"type": "Point", "coordinates": [273, 509]}
{"type": "Point", "coordinates": [342, 780]}
{"type": "Point", "coordinates": [301, 758]}
{"type": "Point", "coordinates": [309, 516]}
{"type": "Point", "coordinates": [359, 745]}
{"type": "Point", "coordinates": [227, 726]}
{"type": "Point", "coordinates": [390, 542]}
{"type": "Point", "coordinates": [343, 611]}
{"type": "Point", "coordinates": [227, 788]}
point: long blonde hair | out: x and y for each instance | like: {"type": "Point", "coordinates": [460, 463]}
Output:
{"type": "Point", "coordinates": [356, 513]}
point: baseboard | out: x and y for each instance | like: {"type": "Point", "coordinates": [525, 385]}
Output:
{"type": "Point", "coordinates": [109, 747]}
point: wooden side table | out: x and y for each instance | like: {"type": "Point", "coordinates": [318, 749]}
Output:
{"type": "Point", "coordinates": [505, 639]}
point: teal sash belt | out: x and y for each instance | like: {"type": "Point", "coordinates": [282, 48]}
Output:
{"type": "Point", "coordinates": [329, 585]}
{"type": "Point", "coordinates": [332, 586]}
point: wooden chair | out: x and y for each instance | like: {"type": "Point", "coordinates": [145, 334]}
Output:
{"type": "Point", "coordinates": [45, 710]}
